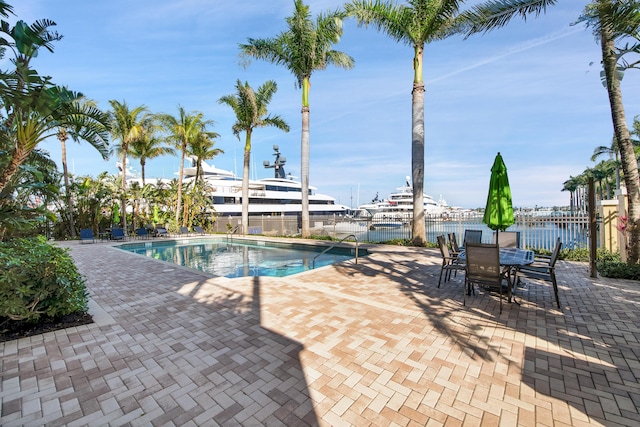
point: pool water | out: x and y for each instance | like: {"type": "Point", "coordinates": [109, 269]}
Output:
{"type": "Point", "coordinates": [240, 258]}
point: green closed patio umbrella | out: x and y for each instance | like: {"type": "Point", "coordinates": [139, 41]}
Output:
{"type": "Point", "coordinates": [116, 213]}
{"type": "Point", "coordinates": [498, 214]}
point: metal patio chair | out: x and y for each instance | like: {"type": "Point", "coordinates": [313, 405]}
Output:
{"type": "Point", "coordinates": [483, 269]}
{"type": "Point", "coordinates": [449, 262]}
{"type": "Point", "coordinates": [544, 268]}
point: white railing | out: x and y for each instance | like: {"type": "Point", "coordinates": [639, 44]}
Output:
{"type": "Point", "coordinates": [536, 232]}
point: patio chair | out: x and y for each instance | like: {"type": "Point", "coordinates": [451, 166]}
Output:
{"type": "Point", "coordinates": [449, 263]}
{"type": "Point", "coordinates": [86, 235]}
{"type": "Point", "coordinates": [198, 230]}
{"type": "Point", "coordinates": [184, 230]}
{"type": "Point", "coordinates": [472, 236]}
{"type": "Point", "coordinates": [142, 233]}
{"type": "Point", "coordinates": [507, 239]}
{"type": "Point", "coordinates": [117, 234]}
{"type": "Point", "coordinates": [453, 242]}
{"type": "Point", "coordinates": [483, 269]}
{"type": "Point", "coordinates": [544, 268]}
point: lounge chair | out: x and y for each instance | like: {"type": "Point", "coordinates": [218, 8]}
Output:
{"type": "Point", "coordinates": [184, 230]}
{"type": "Point", "coordinates": [86, 235]}
{"type": "Point", "coordinates": [117, 234]}
{"type": "Point", "coordinates": [543, 267]}
{"type": "Point", "coordinates": [161, 232]}
{"type": "Point", "coordinates": [483, 269]}
{"type": "Point", "coordinates": [142, 233]}
{"type": "Point", "coordinates": [198, 230]}
{"type": "Point", "coordinates": [449, 262]}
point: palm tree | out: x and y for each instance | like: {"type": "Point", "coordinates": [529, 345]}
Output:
{"type": "Point", "coordinates": [148, 146]}
{"type": "Point", "coordinates": [305, 47]}
{"type": "Point", "coordinates": [98, 118]}
{"type": "Point", "coordinates": [182, 131]}
{"type": "Point", "coordinates": [202, 149]}
{"type": "Point", "coordinates": [611, 151]}
{"type": "Point", "coordinates": [127, 126]}
{"type": "Point", "coordinates": [415, 24]}
{"type": "Point", "coordinates": [612, 21]}
{"type": "Point", "coordinates": [251, 112]}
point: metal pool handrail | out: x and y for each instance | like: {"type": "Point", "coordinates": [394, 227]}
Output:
{"type": "Point", "coordinates": [313, 263]}
{"type": "Point", "coordinates": [233, 231]}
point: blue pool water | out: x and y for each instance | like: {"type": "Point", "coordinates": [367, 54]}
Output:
{"type": "Point", "coordinates": [240, 258]}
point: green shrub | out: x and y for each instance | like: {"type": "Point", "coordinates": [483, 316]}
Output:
{"type": "Point", "coordinates": [39, 279]}
{"type": "Point", "coordinates": [610, 265]}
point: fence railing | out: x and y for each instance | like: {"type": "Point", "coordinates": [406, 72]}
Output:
{"type": "Point", "coordinates": [536, 232]}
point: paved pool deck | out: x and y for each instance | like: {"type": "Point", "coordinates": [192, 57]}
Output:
{"type": "Point", "coordinates": [372, 344]}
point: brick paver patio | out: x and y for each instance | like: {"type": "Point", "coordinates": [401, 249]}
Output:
{"type": "Point", "coordinates": [373, 344]}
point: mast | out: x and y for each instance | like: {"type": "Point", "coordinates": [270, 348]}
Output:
{"type": "Point", "coordinates": [278, 164]}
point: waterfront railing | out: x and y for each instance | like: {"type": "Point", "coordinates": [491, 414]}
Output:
{"type": "Point", "coordinates": [536, 232]}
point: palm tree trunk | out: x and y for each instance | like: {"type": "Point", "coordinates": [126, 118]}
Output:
{"type": "Point", "coordinates": [180, 175]}
{"type": "Point", "coordinates": [304, 171]}
{"type": "Point", "coordinates": [67, 194]}
{"type": "Point", "coordinates": [417, 151]}
{"type": "Point", "coordinates": [245, 183]}
{"type": "Point", "coordinates": [123, 207]}
{"type": "Point", "coordinates": [627, 155]}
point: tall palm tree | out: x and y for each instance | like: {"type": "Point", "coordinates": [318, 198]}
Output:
{"type": "Point", "coordinates": [149, 146]}
{"type": "Point", "coordinates": [305, 47]}
{"type": "Point", "coordinates": [182, 131]}
{"type": "Point", "coordinates": [612, 21]}
{"type": "Point", "coordinates": [202, 149]}
{"type": "Point", "coordinates": [415, 24]}
{"type": "Point", "coordinates": [127, 126]}
{"type": "Point", "coordinates": [251, 112]}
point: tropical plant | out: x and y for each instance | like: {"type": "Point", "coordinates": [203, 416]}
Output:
{"type": "Point", "coordinates": [38, 279]}
{"type": "Point", "coordinates": [26, 197]}
{"type": "Point", "coordinates": [149, 146]}
{"type": "Point", "coordinates": [251, 112]}
{"type": "Point", "coordinates": [306, 46]}
{"type": "Point", "coordinates": [127, 126]}
{"type": "Point", "coordinates": [33, 107]}
{"type": "Point", "coordinates": [182, 132]}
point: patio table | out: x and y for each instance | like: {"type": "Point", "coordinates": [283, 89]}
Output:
{"type": "Point", "coordinates": [510, 258]}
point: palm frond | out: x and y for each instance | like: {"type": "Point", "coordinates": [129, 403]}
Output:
{"type": "Point", "coordinates": [498, 13]}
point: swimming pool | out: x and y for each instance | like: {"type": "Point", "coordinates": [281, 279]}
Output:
{"type": "Point", "coordinates": [240, 258]}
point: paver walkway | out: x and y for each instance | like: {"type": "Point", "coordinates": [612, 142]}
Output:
{"type": "Point", "coordinates": [372, 344]}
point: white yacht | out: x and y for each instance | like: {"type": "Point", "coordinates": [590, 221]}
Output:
{"type": "Point", "coordinates": [398, 207]}
{"type": "Point", "coordinates": [280, 195]}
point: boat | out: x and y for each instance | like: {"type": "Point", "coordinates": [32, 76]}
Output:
{"type": "Point", "coordinates": [276, 196]}
{"type": "Point", "coordinates": [397, 209]}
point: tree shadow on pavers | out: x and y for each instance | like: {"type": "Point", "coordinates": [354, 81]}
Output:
{"type": "Point", "coordinates": [183, 348]}
{"type": "Point", "coordinates": [416, 276]}
{"type": "Point", "coordinates": [589, 353]}
{"type": "Point", "coordinates": [603, 392]}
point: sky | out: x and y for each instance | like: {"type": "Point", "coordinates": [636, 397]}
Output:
{"type": "Point", "coordinates": [530, 90]}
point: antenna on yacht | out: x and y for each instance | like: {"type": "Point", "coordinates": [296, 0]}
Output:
{"type": "Point", "coordinates": [278, 163]}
